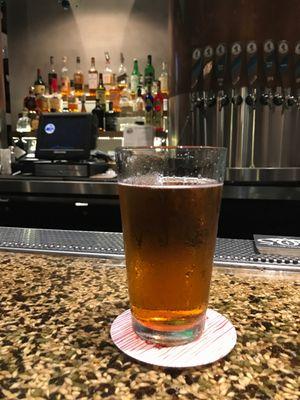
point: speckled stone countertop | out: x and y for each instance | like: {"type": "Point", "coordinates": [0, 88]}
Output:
{"type": "Point", "coordinates": [55, 316]}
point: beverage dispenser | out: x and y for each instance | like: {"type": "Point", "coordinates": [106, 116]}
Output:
{"type": "Point", "coordinates": [235, 82]}
{"type": "Point", "coordinates": [3, 128]}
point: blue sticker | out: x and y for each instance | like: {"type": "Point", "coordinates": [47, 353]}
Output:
{"type": "Point", "coordinates": [49, 128]}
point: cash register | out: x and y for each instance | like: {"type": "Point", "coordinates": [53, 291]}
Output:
{"type": "Point", "coordinates": [66, 146]}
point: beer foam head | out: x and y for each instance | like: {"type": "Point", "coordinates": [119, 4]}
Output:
{"type": "Point", "coordinates": [158, 180]}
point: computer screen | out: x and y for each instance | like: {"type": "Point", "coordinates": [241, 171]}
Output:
{"type": "Point", "coordinates": [66, 136]}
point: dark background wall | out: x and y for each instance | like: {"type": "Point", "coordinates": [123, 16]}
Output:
{"type": "Point", "coordinates": [40, 28]}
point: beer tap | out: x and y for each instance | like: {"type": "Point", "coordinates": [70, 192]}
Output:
{"type": "Point", "coordinates": [222, 96]}
{"type": "Point", "coordinates": [297, 74]}
{"type": "Point", "coordinates": [208, 96]}
{"type": "Point", "coordinates": [236, 98]}
{"type": "Point", "coordinates": [196, 77]}
{"type": "Point", "coordinates": [292, 99]}
{"type": "Point", "coordinates": [220, 71]}
{"type": "Point", "coordinates": [236, 66]}
{"type": "Point", "coordinates": [209, 99]}
{"type": "Point", "coordinates": [251, 54]}
{"type": "Point", "coordinates": [285, 98]}
{"type": "Point", "coordinates": [287, 124]}
{"type": "Point", "coordinates": [266, 98]}
{"type": "Point", "coordinates": [195, 94]}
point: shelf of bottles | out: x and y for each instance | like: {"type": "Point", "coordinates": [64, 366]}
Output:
{"type": "Point", "coordinates": [117, 99]}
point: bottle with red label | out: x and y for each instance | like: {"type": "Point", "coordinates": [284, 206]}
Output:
{"type": "Point", "coordinates": [52, 77]}
{"type": "Point", "coordinates": [158, 103]}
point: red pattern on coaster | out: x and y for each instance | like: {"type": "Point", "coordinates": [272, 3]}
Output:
{"type": "Point", "coordinates": [217, 340]}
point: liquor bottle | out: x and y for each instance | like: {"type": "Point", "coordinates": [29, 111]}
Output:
{"type": "Point", "coordinates": [83, 98]}
{"type": "Point", "coordinates": [23, 123]}
{"type": "Point", "coordinates": [148, 99]}
{"type": "Point", "coordinates": [125, 103]}
{"type": "Point", "coordinates": [55, 102]}
{"type": "Point", "coordinates": [165, 105]}
{"type": "Point", "coordinates": [52, 77]}
{"type": "Point", "coordinates": [107, 74]}
{"type": "Point", "coordinates": [165, 113]}
{"type": "Point", "coordinates": [92, 78]}
{"type": "Point", "coordinates": [122, 73]}
{"type": "Point", "coordinates": [113, 94]}
{"type": "Point", "coordinates": [72, 103]}
{"type": "Point", "coordinates": [149, 74]}
{"type": "Point", "coordinates": [72, 99]}
{"type": "Point", "coordinates": [135, 77]}
{"type": "Point", "coordinates": [34, 120]}
{"type": "Point", "coordinates": [165, 120]}
{"type": "Point", "coordinates": [163, 78]}
{"type": "Point", "coordinates": [139, 105]}
{"type": "Point", "coordinates": [30, 100]}
{"type": "Point", "coordinates": [100, 92]}
{"type": "Point", "coordinates": [78, 79]}
{"type": "Point", "coordinates": [141, 84]}
{"type": "Point", "coordinates": [99, 112]}
{"type": "Point", "coordinates": [39, 85]}
{"type": "Point", "coordinates": [158, 107]}
{"type": "Point", "coordinates": [110, 119]}
{"type": "Point", "coordinates": [65, 79]}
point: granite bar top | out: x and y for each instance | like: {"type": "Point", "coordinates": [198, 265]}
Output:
{"type": "Point", "coordinates": [55, 317]}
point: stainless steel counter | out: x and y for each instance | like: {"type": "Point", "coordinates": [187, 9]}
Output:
{"type": "Point", "coordinates": [28, 186]}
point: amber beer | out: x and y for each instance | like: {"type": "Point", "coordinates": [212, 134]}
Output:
{"type": "Point", "coordinates": [169, 235]}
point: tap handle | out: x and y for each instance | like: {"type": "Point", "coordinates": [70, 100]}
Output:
{"type": "Point", "coordinates": [250, 100]}
{"type": "Point", "coordinates": [223, 100]}
{"type": "Point", "coordinates": [251, 53]}
{"type": "Point", "coordinates": [264, 99]}
{"type": "Point", "coordinates": [283, 67]}
{"type": "Point", "coordinates": [197, 65]}
{"type": "Point", "coordinates": [269, 62]}
{"type": "Point", "coordinates": [236, 63]}
{"type": "Point", "coordinates": [297, 65]}
{"type": "Point", "coordinates": [291, 101]}
{"type": "Point", "coordinates": [237, 100]}
{"type": "Point", "coordinates": [211, 101]}
{"type": "Point", "coordinates": [200, 102]}
{"type": "Point", "coordinates": [207, 71]}
{"type": "Point", "coordinates": [221, 63]}
{"type": "Point", "coordinates": [278, 99]}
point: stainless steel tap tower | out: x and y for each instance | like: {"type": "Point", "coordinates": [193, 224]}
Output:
{"type": "Point", "coordinates": [235, 82]}
{"type": "Point", "coordinates": [3, 129]}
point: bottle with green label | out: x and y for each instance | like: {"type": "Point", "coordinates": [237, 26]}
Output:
{"type": "Point", "coordinates": [135, 77]}
{"type": "Point", "coordinates": [149, 74]}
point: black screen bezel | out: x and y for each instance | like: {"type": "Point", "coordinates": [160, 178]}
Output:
{"type": "Point", "coordinates": [67, 154]}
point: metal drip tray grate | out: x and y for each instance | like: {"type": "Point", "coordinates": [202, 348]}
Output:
{"type": "Point", "coordinates": [82, 243]}
{"type": "Point", "coordinates": [229, 252]}
{"type": "Point", "coordinates": [242, 253]}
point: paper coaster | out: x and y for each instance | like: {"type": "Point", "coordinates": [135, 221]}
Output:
{"type": "Point", "coordinates": [217, 340]}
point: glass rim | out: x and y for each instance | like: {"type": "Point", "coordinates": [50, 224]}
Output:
{"type": "Point", "coordinates": [120, 148]}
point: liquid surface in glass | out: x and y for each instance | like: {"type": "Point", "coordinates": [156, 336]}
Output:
{"type": "Point", "coordinates": [169, 226]}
